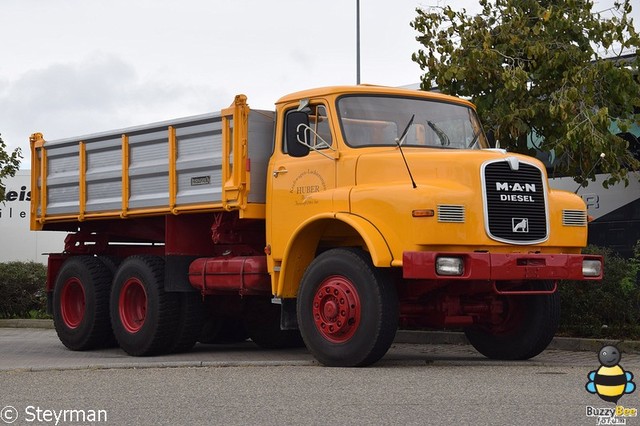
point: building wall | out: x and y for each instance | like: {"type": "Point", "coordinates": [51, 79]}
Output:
{"type": "Point", "coordinates": [17, 242]}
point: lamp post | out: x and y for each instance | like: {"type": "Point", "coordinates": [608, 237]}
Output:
{"type": "Point", "coordinates": [357, 41]}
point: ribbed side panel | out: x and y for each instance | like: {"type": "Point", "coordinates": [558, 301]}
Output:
{"type": "Point", "coordinates": [63, 193]}
{"type": "Point", "coordinates": [199, 162]}
{"type": "Point", "coordinates": [104, 174]}
{"type": "Point", "coordinates": [198, 165]}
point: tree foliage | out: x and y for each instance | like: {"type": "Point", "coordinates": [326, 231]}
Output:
{"type": "Point", "coordinates": [538, 67]}
{"type": "Point", "coordinates": [9, 163]}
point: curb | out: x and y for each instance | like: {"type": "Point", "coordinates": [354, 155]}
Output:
{"type": "Point", "coordinates": [572, 344]}
{"type": "Point", "coordinates": [26, 323]}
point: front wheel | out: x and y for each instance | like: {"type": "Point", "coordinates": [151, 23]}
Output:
{"type": "Point", "coordinates": [525, 328]}
{"type": "Point", "coordinates": [347, 309]}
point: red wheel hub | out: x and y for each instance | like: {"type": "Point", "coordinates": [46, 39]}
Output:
{"type": "Point", "coordinates": [336, 309]}
{"type": "Point", "coordinates": [132, 305]}
{"type": "Point", "coordinates": [72, 304]}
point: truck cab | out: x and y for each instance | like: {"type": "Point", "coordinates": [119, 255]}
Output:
{"type": "Point", "coordinates": [466, 235]}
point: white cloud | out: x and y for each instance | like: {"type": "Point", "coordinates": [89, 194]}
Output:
{"type": "Point", "coordinates": [100, 93]}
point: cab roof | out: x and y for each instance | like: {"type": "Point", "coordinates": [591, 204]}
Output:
{"type": "Point", "coordinates": [369, 89]}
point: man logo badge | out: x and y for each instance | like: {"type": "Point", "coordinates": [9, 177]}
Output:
{"type": "Point", "coordinates": [519, 224]}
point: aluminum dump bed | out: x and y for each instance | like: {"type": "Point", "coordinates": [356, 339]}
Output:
{"type": "Point", "coordinates": [206, 162]}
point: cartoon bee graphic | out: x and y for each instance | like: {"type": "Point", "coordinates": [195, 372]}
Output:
{"type": "Point", "coordinates": [610, 381]}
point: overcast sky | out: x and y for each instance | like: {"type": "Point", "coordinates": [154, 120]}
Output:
{"type": "Point", "coordinates": [72, 67]}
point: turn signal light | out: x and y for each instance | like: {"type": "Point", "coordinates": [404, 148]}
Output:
{"type": "Point", "coordinates": [423, 213]}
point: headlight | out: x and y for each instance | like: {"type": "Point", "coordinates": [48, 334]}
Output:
{"type": "Point", "coordinates": [591, 268]}
{"type": "Point", "coordinates": [449, 266]}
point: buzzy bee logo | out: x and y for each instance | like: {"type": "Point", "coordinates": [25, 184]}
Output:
{"type": "Point", "coordinates": [610, 382]}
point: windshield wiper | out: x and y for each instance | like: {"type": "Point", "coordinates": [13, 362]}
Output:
{"type": "Point", "coordinates": [400, 140]}
{"type": "Point", "coordinates": [444, 139]}
{"type": "Point", "coordinates": [474, 141]}
{"type": "Point", "coordinates": [399, 144]}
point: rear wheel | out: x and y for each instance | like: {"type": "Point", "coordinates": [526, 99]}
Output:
{"type": "Point", "coordinates": [525, 329]}
{"type": "Point", "coordinates": [81, 304]}
{"type": "Point", "coordinates": [347, 309]}
{"type": "Point", "coordinates": [143, 316]}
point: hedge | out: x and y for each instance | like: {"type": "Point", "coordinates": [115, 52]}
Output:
{"type": "Point", "coordinates": [606, 309]}
{"type": "Point", "coordinates": [22, 290]}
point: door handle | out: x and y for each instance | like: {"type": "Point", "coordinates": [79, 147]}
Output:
{"type": "Point", "coordinates": [280, 170]}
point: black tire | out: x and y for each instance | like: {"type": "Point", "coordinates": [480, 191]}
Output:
{"type": "Point", "coordinates": [111, 262]}
{"type": "Point", "coordinates": [528, 326]}
{"type": "Point", "coordinates": [81, 304]}
{"type": "Point", "coordinates": [347, 309]}
{"type": "Point", "coordinates": [143, 316]}
{"type": "Point", "coordinates": [191, 314]}
{"type": "Point", "coordinates": [262, 322]}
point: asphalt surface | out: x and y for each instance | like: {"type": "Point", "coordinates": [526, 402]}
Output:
{"type": "Point", "coordinates": [425, 378]}
{"type": "Point", "coordinates": [33, 345]}
{"type": "Point", "coordinates": [445, 392]}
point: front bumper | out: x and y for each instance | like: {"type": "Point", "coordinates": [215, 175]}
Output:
{"type": "Point", "coordinates": [500, 266]}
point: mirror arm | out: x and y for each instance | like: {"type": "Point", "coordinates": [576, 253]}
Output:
{"type": "Point", "coordinates": [308, 145]}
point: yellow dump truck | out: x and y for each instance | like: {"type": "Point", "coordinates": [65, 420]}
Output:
{"type": "Point", "coordinates": [345, 214]}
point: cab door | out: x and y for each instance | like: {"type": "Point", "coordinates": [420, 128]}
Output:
{"type": "Point", "coordinates": [300, 187]}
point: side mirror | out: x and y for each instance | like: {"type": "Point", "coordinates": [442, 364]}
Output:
{"type": "Point", "coordinates": [298, 134]}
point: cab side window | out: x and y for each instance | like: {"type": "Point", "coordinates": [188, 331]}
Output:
{"type": "Point", "coordinates": [318, 134]}
{"type": "Point", "coordinates": [319, 122]}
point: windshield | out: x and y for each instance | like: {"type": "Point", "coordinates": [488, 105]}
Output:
{"type": "Point", "coordinates": [382, 120]}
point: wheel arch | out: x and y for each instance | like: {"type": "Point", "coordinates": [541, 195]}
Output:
{"type": "Point", "coordinates": [339, 229]}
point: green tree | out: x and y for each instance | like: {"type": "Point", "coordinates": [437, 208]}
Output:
{"type": "Point", "coordinates": [538, 67]}
{"type": "Point", "coordinates": [9, 164]}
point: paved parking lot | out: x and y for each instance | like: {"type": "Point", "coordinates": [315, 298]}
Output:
{"type": "Point", "coordinates": [40, 349]}
{"type": "Point", "coordinates": [414, 384]}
